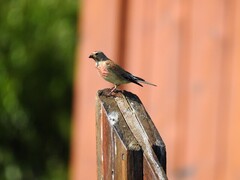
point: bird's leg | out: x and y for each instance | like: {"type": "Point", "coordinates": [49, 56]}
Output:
{"type": "Point", "coordinates": [113, 89]}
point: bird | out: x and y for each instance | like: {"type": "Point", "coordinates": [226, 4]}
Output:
{"type": "Point", "coordinates": [114, 73]}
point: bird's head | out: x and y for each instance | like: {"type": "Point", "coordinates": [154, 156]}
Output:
{"type": "Point", "coordinates": [98, 56]}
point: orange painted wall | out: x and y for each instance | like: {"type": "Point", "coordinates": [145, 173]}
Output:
{"type": "Point", "coordinates": [191, 50]}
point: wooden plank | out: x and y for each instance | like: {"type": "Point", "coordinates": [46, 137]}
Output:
{"type": "Point", "coordinates": [182, 97]}
{"type": "Point", "coordinates": [128, 128]}
{"type": "Point", "coordinates": [99, 136]}
{"type": "Point", "coordinates": [144, 119]}
{"type": "Point", "coordinates": [141, 131]}
{"type": "Point", "coordinates": [164, 70]}
{"type": "Point", "coordinates": [227, 62]}
{"type": "Point", "coordinates": [233, 143]}
{"type": "Point", "coordinates": [121, 156]}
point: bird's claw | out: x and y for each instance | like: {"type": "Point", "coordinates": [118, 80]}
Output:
{"type": "Point", "coordinates": [112, 90]}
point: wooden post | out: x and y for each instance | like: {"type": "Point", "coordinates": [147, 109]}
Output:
{"type": "Point", "coordinates": [128, 144]}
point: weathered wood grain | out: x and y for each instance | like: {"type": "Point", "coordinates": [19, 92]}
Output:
{"type": "Point", "coordinates": [128, 144]}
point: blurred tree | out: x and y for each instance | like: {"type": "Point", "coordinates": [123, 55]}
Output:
{"type": "Point", "coordinates": [37, 41]}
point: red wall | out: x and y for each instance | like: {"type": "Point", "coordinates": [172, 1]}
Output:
{"type": "Point", "coordinates": [191, 50]}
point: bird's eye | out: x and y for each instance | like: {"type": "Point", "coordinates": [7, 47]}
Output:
{"type": "Point", "coordinates": [96, 54]}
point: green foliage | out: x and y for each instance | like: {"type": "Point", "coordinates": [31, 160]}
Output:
{"type": "Point", "coordinates": [37, 41]}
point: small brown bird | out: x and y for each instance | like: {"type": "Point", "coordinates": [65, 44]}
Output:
{"type": "Point", "coordinates": [113, 73]}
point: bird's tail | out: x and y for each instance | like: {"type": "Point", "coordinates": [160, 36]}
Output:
{"type": "Point", "coordinates": [140, 80]}
{"type": "Point", "coordinates": [145, 82]}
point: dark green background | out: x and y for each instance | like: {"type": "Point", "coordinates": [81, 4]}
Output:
{"type": "Point", "coordinates": [37, 44]}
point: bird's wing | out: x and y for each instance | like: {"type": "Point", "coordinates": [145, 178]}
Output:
{"type": "Point", "coordinates": [114, 68]}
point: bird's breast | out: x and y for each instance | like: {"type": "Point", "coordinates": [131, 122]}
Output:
{"type": "Point", "coordinates": [102, 69]}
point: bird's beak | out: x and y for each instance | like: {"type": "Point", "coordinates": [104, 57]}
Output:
{"type": "Point", "coordinates": [91, 56]}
